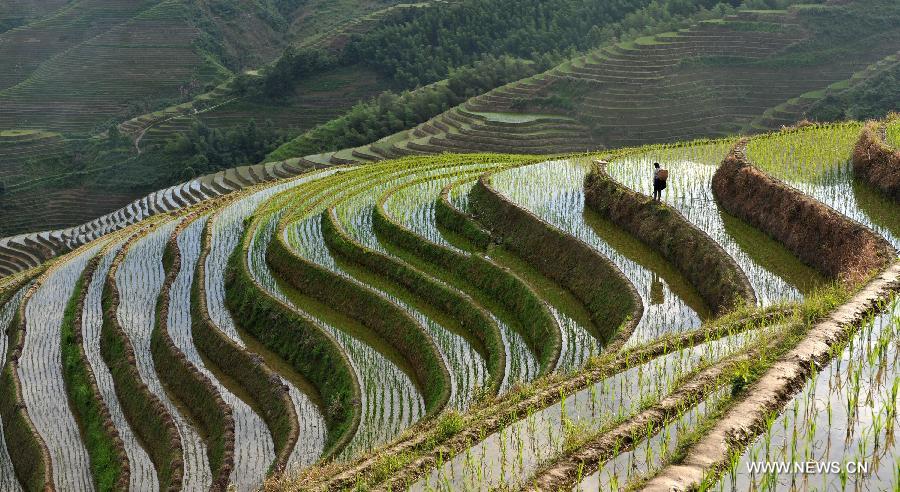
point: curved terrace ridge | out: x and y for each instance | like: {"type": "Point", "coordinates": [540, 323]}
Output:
{"type": "Point", "coordinates": [609, 297]}
{"type": "Point", "coordinates": [715, 275]}
{"type": "Point", "coordinates": [837, 246]}
{"type": "Point", "coordinates": [875, 162]}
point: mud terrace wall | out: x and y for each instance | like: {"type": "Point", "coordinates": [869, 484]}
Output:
{"type": "Point", "coordinates": [606, 293]}
{"type": "Point", "coordinates": [715, 275]}
{"type": "Point", "coordinates": [101, 438]}
{"type": "Point", "coordinates": [539, 327]}
{"type": "Point", "coordinates": [28, 452]}
{"type": "Point", "coordinates": [875, 162]}
{"type": "Point", "coordinates": [774, 389]}
{"type": "Point", "coordinates": [821, 237]}
{"type": "Point", "coordinates": [474, 319]}
{"type": "Point", "coordinates": [149, 418]}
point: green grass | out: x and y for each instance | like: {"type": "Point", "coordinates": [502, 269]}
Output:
{"type": "Point", "coordinates": [106, 468]}
{"type": "Point", "coordinates": [893, 133]}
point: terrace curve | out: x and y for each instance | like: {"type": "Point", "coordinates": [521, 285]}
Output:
{"type": "Point", "coordinates": [875, 162]}
{"type": "Point", "coordinates": [821, 237]}
{"type": "Point", "coordinates": [718, 278]}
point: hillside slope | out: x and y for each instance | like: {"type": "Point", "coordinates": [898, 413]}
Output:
{"type": "Point", "coordinates": [748, 72]}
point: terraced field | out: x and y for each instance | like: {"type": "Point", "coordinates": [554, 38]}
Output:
{"type": "Point", "coordinates": [470, 321]}
{"type": "Point", "coordinates": [750, 72]}
{"type": "Point", "coordinates": [149, 55]}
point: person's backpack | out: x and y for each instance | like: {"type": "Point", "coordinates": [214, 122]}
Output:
{"type": "Point", "coordinates": [663, 175]}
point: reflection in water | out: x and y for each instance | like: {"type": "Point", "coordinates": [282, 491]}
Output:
{"type": "Point", "coordinates": [657, 291]}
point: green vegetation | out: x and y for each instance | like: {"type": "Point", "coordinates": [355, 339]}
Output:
{"type": "Point", "coordinates": [390, 113]}
{"type": "Point", "coordinates": [480, 305]}
{"type": "Point", "coordinates": [145, 412]}
{"type": "Point", "coordinates": [538, 330]}
{"type": "Point", "coordinates": [873, 98]}
{"type": "Point", "coordinates": [464, 32]}
{"type": "Point", "coordinates": [192, 389]}
{"type": "Point", "coordinates": [101, 441]}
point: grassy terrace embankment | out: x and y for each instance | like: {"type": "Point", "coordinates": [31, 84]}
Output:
{"type": "Point", "coordinates": [822, 238]}
{"type": "Point", "coordinates": [28, 453]}
{"type": "Point", "coordinates": [608, 296]}
{"type": "Point", "coordinates": [714, 274]}
{"type": "Point", "coordinates": [109, 462]}
{"type": "Point", "coordinates": [150, 419]}
{"type": "Point", "coordinates": [876, 162]}
{"type": "Point", "coordinates": [184, 381]}
{"type": "Point", "coordinates": [298, 341]}
{"type": "Point", "coordinates": [536, 323]}
{"type": "Point", "coordinates": [252, 374]}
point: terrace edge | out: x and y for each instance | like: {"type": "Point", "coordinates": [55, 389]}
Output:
{"type": "Point", "coordinates": [147, 415]}
{"type": "Point", "coordinates": [819, 236]}
{"type": "Point", "coordinates": [614, 305]}
{"type": "Point", "coordinates": [713, 272]}
{"type": "Point", "coordinates": [254, 376]}
{"type": "Point", "coordinates": [184, 381]}
{"type": "Point", "coordinates": [875, 162]}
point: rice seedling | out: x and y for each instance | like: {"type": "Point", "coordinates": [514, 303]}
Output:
{"type": "Point", "coordinates": [253, 448]}
{"type": "Point", "coordinates": [840, 426]}
{"type": "Point", "coordinates": [139, 279]}
{"type": "Point", "coordinates": [40, 370]}
{"type": "Point", "coordinates": [892, 132]}
{"type": "Point", "coordinates": [542, 436]}
{"type": "Point", "coordinates": [691, 168]}
{"type": "Point", "coordinates": [563, 206]}
{"type": "Point", "coordinates": [142, 471]}
{"type": "Point", "coordinates": [816, 161]}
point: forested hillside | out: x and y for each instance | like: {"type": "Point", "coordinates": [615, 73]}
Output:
{"type": "Point", "coordinates": [324, 80]}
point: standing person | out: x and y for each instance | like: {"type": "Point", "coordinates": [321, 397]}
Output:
{"type": "Point", "coordinates": [659, 181]}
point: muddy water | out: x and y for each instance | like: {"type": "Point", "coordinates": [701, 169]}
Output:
{"type": "Point", "coordinates": [510, 456]}
{"type": "Point", "coordinates": [689, 191]}
{"type": "Point", "coordinates": [554, 191]}
{"type": "Point", "coordinates": [846, 414]}
{"type": "Point", "coordinates": [882, 211]}
{"type": "Point", "coordinates": [413, 207]}
{"type": "Point", "coordinates": [647, 456]}
{"type": "Point", "coordinates": [8, 482]}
